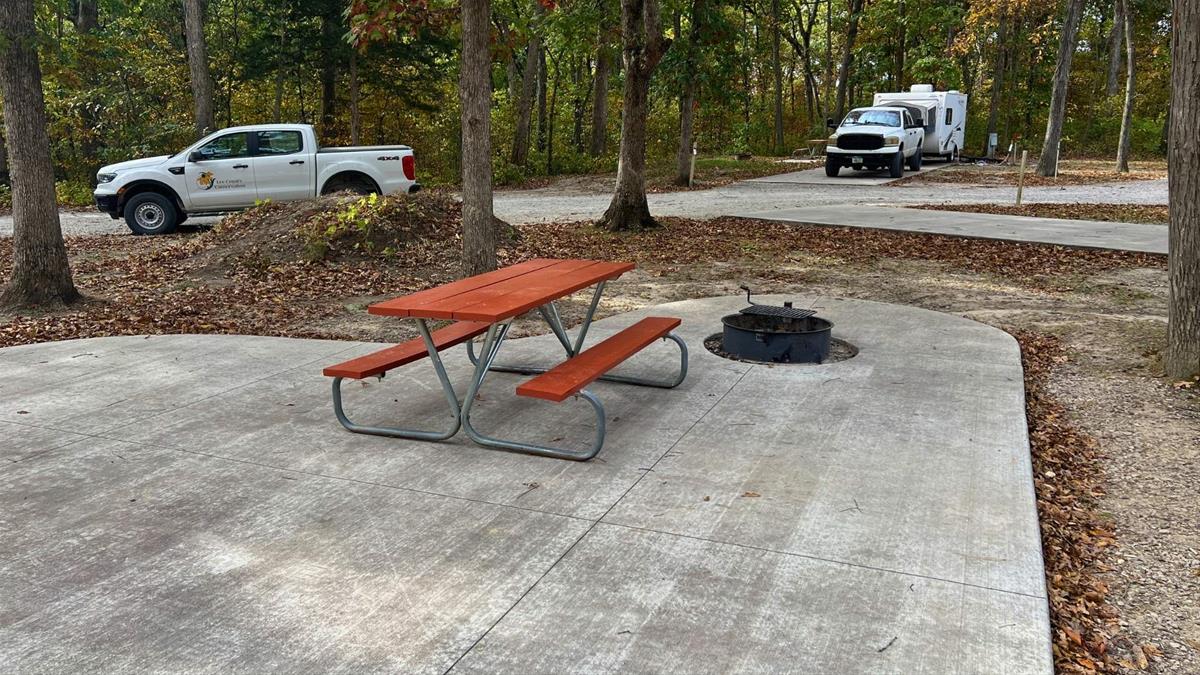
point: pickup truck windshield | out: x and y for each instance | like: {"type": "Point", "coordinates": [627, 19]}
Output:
{"type": "Point", "coordinates": [885, 118]}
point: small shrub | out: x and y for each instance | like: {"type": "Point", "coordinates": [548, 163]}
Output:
{"type": "Point", "coordinates": [73, 193]}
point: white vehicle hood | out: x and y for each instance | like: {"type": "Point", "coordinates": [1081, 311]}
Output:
{"type": "Point", "coordinates": [872, 129]}
{"type": "Point", "coordinates": [134, 164]}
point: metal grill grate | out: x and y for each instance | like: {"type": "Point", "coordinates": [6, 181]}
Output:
{"type": "Point", "coordinates": [782, 312]}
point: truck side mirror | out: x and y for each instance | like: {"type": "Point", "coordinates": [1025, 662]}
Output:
{"type": "Point", "coordinates": [195, 156]}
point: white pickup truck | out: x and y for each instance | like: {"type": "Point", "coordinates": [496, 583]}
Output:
{"type": "Point", "coordinates": [876, 138]}
{"type": "Point", "coordinates": [233, 168]}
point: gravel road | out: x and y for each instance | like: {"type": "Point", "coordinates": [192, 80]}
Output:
{"type": "Point", "coordinates": [558, 204]}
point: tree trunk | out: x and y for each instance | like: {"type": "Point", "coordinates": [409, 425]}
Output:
{"type": "Point", "coordinates": [643, 48]}
{"type": "Point", "coordinates": [848, 56]}
{"type": "Point", "coordinates": [578, 103]}
{"type": "Point", "coordinates": [280, 71]}
{"type": "Point", "coordinates": [777, 72]}
{"type": "Point", "coordinates": [1114, 48]}
{"type": "Point", "coordinates": [1183, 265]}
{"type": "Point", "coordinates": [600, 92]}
{"type": "Point", "coordinates": [1048, 162]}
{"type": "Point", "coordinates": [40, 272]}
{"type": "Point", "coordinates": [687, 99]}
{"type": "Point", "coordinates": [197, 53]}
{"type": "Point", "coordinates": [1123, 145]}
{"type": "Point", "coordinates": [997, 79]}
{"type": "Point", "coordinates": [541, 119]}
{"type": "Point", "coordinates": [87, 16]}
{"type": "Point", "coordinates": [355, 115]}
{"type": "Point", "coordinates": [529, 90]}
{"type": "Point", "coordinates": [475, 94]}
{"type": "Point", "coordinates": [329, 44]}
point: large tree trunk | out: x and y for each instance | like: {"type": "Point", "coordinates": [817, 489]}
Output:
{"type": "Point", "coordinates": [40, 273]}
{"type": "Point", "coordinates": [3, 159]}
{"type": "Point", "coordinates": [1114, 48]}
{"type": "Point", "coordinates": [643, 48]}
{"type": "Point", "coordinates": [1183, 331]}
{"type": "Point", "coordinates": [1048, 162]}
{"type": "Point", "coordinates": [847, 56]}
{"type": "Point", "coordinates": [1123, 145]}
{"type": "Point", "coordinates": [197, 53]}
{"type": "Point", "coordinates": [475, 94]}
{"type": "Point", "coordinates": [529, 90]}
{"type": "Point", "coordinates": [687, 99]}
{"type": "Point", "coordinates": [600, 92]}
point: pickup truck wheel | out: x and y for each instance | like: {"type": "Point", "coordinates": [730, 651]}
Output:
{"type": "Point", "coordinates": [150, 213]}
{"type": "Point", "coordinates": [914, 162]}
{"type": "Point", "coordinates": [896, 169]}
{"type": "Point", "coordinates": [832, 166]}
{"type": "Point", "coordinates": [359, 186]}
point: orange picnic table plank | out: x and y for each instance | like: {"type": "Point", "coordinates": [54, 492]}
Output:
{"type": "Point", "coordinates": [402, 305]}
{"type": "Point", "coordinates": [505, 293]}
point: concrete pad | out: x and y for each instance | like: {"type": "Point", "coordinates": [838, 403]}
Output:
{"type": "Point", "coordinates": [134, 560]}
{"type": "Point", "coordinates": [1137, 237]}
{"type": "Point", "coordinates": [654, 603]}
{"type": "Point", "coordinates": [752, 502]}
{"type": "Point", "coordinates": [848, 177]}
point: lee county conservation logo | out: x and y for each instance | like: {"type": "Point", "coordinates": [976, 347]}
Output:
{"type": "Point", "coordinates": [207, 181]}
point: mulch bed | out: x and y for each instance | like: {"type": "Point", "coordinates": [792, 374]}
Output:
{"type": "Point", "coordinates": [1118, 213]}
{"type": "Point", "coordinates": [1075, 539]}
{"type": "Point", "coordinates": [251, 282]}
{"type": "Point", "coordinates": [993, 175]}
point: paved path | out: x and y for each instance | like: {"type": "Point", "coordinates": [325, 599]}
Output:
{"type": "Point", "coordinates": [188, 503]}
{"type": "Point", "coordinates": [847, 177]}
{"type": "Point", "coordinates": [1076, 233]}
{"type": "Point", "coordinates": [558, 204]}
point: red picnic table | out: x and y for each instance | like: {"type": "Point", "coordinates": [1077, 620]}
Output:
{"type": "Point", "coordinates": [486, 305]}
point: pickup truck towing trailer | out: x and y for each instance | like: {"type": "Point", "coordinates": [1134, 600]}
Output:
{"type": "Point", "coordinates": [943, 114]}
{"type": "Point", "coordinates": [233, 168]}
{"type": "Point", "coordinates": [879, 137]}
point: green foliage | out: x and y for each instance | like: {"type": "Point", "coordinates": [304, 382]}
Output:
{"type": "Point", "coordinates": [73, 193]}
{"type": "Point", "coordinates": [123, 91]}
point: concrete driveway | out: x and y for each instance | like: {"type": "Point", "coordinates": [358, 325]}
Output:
{"type": "Point", "coordinates": [188, 503]}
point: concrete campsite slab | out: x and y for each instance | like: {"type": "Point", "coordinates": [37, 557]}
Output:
{"type": "Point", "coordinates": [871, 515]}
{"type": "Point", "coordinates": [1136, 237]}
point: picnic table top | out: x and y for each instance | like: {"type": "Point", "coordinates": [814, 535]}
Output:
{"type": "Point", "coordinates": [504, 293]}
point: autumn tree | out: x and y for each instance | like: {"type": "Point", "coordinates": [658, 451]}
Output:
{"type": "Point", "coordinates": [1183, 262]}
{"type": "Point", "coordinates": [1048, 162]}
{"type": "Point", "coordinates": [40, 273]}
{"type": "Point", "coordinates": [856, 8]}
{"type": "Point", "coordinates": [643, 46]}
{"type": "Point", "coordinates": [1123, 142]}
{"type": "Point", "coordinates": [529, 88]}
{"type": "Point", "coordinates": [197, 56]}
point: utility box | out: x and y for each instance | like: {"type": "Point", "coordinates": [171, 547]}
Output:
{"type": "Point", "coordinates": [942, 113]}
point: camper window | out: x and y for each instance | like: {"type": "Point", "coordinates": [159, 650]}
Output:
{"type": "Point", "coordinates": [949, 114]}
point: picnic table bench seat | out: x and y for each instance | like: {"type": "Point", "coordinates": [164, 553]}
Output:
{"type": "Point", "coordinates": [568, 378]}
{"type": "Point", "coordinates": [390, 358]}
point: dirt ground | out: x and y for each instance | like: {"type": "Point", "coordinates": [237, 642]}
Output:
{"type": "Point", "coordinates": [1138, 543]}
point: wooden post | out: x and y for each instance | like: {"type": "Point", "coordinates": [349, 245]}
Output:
{"type": "Point", "coordinates": [1021, 175]}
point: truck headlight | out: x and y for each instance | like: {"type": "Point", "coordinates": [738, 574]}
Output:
{"type": "Point", "coordinates": [833, 138]}
{"type": "Point", "coordinates": [105, 177]}
{"type": "Point", "coordinates": [891, 140]}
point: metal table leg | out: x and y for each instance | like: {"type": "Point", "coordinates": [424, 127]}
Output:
{"type": "Point", "coordinates": [400, 432]}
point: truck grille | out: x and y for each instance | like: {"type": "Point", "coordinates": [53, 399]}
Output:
{"type": "Point", "coordinates": [859, 142]}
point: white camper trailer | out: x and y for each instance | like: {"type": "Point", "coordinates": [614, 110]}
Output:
{"type": "Point", "coordinates": [942, 113]}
